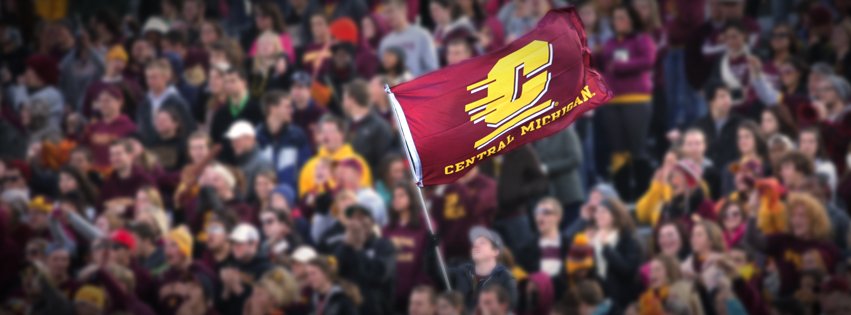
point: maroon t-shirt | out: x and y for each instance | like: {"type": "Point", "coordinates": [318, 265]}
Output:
{"type": "Point", "coordinates": [788, 253]}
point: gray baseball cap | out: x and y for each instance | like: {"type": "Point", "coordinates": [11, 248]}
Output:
{"type": "Point", "coordinates": [480, 231]}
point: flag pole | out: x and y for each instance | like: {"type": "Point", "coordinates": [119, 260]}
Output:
{"type": "Point", "coordinates": [413, 159]}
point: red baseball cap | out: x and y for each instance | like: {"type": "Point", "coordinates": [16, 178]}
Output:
{"type": "Point", "coordinates": [123, 237]}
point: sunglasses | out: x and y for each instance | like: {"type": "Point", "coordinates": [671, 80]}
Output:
{"type": "Point", "coordinates": [215, 230]}
{"type": "Point", "coordinates": [10, 178]}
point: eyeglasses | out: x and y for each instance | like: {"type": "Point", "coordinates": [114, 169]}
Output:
{"type": "Point", "coordinates": [546, 211]}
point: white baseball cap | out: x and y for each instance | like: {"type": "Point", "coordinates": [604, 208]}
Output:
{"type": "Point", "coordinates": [244, 233]}
{"type": "Point", "coordinates": [304, 254]}
{"type": "Point", "coordinates": [239, 129]}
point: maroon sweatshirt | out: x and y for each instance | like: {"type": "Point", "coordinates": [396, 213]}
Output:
{"type": "Point", "coordinates": [788, 251]}
{"type": "Point", "coordinates": [410, 243]}
{"type": "Point", "coordinates": [116, 187]}
{"type": "Point", "coordinates": [100, 134]}
{"type": "Point", "coordinates": [461, 207]}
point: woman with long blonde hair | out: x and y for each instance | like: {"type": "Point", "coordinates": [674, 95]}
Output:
{"type": "Point", "coordinates": [269, 65]}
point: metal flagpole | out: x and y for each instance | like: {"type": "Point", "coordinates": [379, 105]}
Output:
{"type": "Point", "coordinates": [413, 159]}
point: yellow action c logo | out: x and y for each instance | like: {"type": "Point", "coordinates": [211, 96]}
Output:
{"type": "Point", "coordinates": [514, 87]}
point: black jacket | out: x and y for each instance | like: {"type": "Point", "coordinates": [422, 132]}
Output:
{"type": "Point", "coordinates": [252, 269]}
{"type": "Point", "coordinates": [145, 116]}
{"type": "Point", "coordinates": [463, 279]}
{"type": "Point", "coordinates": [622, 281]}
{"type": "Point", "coordinates": [222, 119]}
{"type": "Point", "coordinates": [529, 255]}
{"type": "Point", "coordinates": [371, 137]}
{"type": "Point", "coordinates": [337, 303]}
{"type": "Point", "coordinates": [720, 144]}
{"type": "Point", "coordinates": [372, 269]}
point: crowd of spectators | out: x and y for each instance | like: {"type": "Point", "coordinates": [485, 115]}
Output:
{"type": "Point", "coordinates": [241, 157]}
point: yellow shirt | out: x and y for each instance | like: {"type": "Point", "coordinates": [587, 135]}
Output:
{"type": "Point", "coordinates": [307, 180]}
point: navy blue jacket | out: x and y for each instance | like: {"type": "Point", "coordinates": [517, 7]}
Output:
{"type": "Point", "coordinates": [288, 150]}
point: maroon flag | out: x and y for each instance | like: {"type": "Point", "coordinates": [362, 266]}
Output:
{"type": "Point", "coordinates": [456, 117]}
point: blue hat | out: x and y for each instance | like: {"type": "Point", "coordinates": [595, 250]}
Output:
{"type": "Point", "coordinates": [287, 192]}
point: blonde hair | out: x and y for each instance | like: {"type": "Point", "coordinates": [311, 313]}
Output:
{"type": "Point", "coordinates": [820, 228]}
{"type": "Point", "coordinates": [260, 62]}
{"type": "Point", "coordinates": [153, 195]}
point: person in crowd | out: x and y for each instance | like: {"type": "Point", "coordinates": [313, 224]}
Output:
{"type": "Point", "coordinates": [116, 62]}
{"type": "Point", "coordinates": [807, 237]}
{"type": "Point", "coordinates": [161, 94]}
{"type": "Point", "coordinates": [470, 279]}
{"type": "Point", "coordinates": [217, 194]}
{"type": "Point", "coordinates": [127, 177]}
{"type": "Point", "coordinates": [732, 218]}
{"type": "Point", "coordinates": [460, 206]}
{"type": "Point", "coordinates": [810, 143]}
{"type": "Point", "coordinates": [371, 135]}
{"type": "Point", "coordinates": [279, 234]}
{"type": "Point", "coordinates": [407, 231]}
{"type": "Point", "coordinates": [418, 47]}
{"type": "Point", "coordinates": [669, 239]}
{"type": "Point", "coordinates": [394, 66]}
{"type": "Point", "coordinates": [423, 301]}
{"type": "Point", "coordinates": [272, 293]}
{"type": "Point", "coordinates": [245, 266]}
{"type": "Point", "coordinates": [200, 155]}
{"type": "Point", "coordinates": [776, 120]}
{"type": "Point", "coordinates": [368, 261]}
{"type": "Point", "coordinates": [561, 161]}
{"type": "Point", "coordinates": [628, 61]}
{"type": "Point", "coordinates": [518, 187]}
{"type": "Point", "coordinates": [331, 294]}
{"type": "Point", "coordinates": [169, 142]}
{"type": "Point", "coordinates": [617, 254]}
{"type": "Point", "coordinates": [280, 140]}
{"type": "Point", "coordinates": [694, 147]}
{"type": "Point", "coordinates": [720, 125]}
{"type": "Point", "coordinates": [39, 84]}
{"type": "Point", "coordinates": [331, 145]}
{"type": "Point", "coordinates": [240, 106]}
{"type": "Point", "coordinates": [249, 159]}
{"type": "Point", "coordinates": [112, 125]}
{"type": "Point", "coordinates": [306, 112]}
{"type": "Point", "coordinates": [545, 253]}
{"type": "Point", "coordinates": [269, 66]}
{"type": "Point", "coordinates": [494, 300]}
{"type": "Point", "coordinates": [450, 303]}
{"type": "Point", "coordinates": [676, 193]}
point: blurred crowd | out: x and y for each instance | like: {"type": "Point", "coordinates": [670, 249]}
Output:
{"type": "Point", "coordinates": [241, 157]}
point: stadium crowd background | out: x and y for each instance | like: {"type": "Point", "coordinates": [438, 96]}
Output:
{"type": "Point", "coordinates": [234, 156]}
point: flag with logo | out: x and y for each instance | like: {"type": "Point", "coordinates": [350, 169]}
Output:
{"type": "Point", "coordinates": [459, 116]}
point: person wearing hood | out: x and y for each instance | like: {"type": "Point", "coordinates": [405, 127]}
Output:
{"type": "Point", "coordinates": [280, 141]}
{"type": "Point", "coordinates": [39, 83]}
{"type": "Point", "coordinates": [243, 140]}
{"type": "Point", "coordinates": [483, 271]}
{"type": "Point", "coordinates": [246, 266]}
{"type": "Point", "coordinates": [161, 93]}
